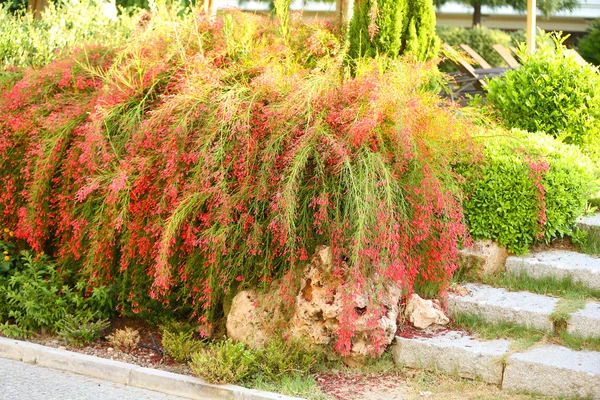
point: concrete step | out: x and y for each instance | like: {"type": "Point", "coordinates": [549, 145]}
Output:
{"type": "Point", "coordinates": [496, 304]}
{"type": "Point", "coordinates": [589, 222]}
{"type": "Point", "coordinates": [522, 308]}
{"type": "Point", "coordinates": [554, 371]}
{"type": "Point", "coordinates": [544, 370]}
{"type": "Point", "coordinates": [453, 352]}
{"type": "Point", "coordinates": [558, 264]}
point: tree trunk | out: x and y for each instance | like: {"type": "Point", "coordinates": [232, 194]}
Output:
{"type": "Point", "coordinates": [476, 13]}
{"type": "Point", "coordinates": [36, 7]}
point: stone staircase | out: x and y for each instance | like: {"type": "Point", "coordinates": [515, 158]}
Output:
{"type": "Point", "coordinates": [543, 368]}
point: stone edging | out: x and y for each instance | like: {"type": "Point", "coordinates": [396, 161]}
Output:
{"type": "Point", "coordinates": [128, 374]}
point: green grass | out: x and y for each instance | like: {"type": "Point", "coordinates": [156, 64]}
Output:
{"type": "Point", "coordinates": [564, 288]}
{"type": "Point", "coordinates": [295, 384]}
{"type": "Point", "coordinates": [563, 310]}
{"type": "Point", "coordinates": [523, 337]}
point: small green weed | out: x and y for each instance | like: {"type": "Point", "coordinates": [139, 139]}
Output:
{"type": "Point", "coordinates": [294, 384]}
{"type": "Point", "coordinates": [563, 310]}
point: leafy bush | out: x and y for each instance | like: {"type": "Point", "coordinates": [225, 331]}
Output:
{"type": "Point", "coordinates": [25, 41]}
{"type": "Point", "coordinates": [39, 297]}
{"type": "Point", "coordinates": [226, 362]}
{"type": "Point", "coordinates": [529, 187]}
{"type": "Point", "coordinates": [180, 343]}
{"type": "Point", "coordinates": [81, 329]}
{"type": "Point", "coordinates": [589, 45]}
{"type": "Point", "coordinates": [550, 93]}
{"type": "Point", "coordinates": [205, 154]}
{"type": "Point", "coordinates": [479, 38]}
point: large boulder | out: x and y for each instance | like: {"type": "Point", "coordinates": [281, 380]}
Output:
{"type": "Point", "coordinates": [252, 317]}
{"type": "Point", "coordinates": [319, 309]}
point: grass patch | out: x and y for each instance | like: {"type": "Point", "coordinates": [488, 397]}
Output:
{"type": "Point", "coordinates": [563, 310]}
{"type": "Point", "coordinates": [489, 331]}
{"type": "Point", "coordinates": [564, 288]}
{"type": "Point", "coordinates": [587, 241]}
{"type": "Point", "coordinates": [295, 384]}
{"type": "Point", "coordinates": [576, 342]}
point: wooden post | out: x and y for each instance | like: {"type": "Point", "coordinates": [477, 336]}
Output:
{"type": "Point", "coordinates": [210, 7]}
{"type": "Point", "coordinates": [36, 7]}
{"type": "Point", "coordinates": [531, 25]}
{"type": "Point", "coordinates": [343, 9]}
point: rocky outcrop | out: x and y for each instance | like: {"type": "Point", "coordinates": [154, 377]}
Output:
{"type": "Point", "coordinates": [318, 312]}
{"type": "Point", "coordinates": [483, 258]}
{"type": "Point", "coordinates": [319, 309]}
{"type": "Point", "coordinates": [422, 313]}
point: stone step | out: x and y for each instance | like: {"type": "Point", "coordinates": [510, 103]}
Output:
{"type": "Point", "coordinates": [545, 370]}
{"type": "Point", "coordinates": [589, 222]}
{"type": "Point", "coordinates": [453, 352]}
{"type": "Point", "coordinates": [495, 304]}
{"type": "Point", "coordinates": [522, 308]}
{"type": "Point", "coordinates": [554, 371]}
{"type": "Point", "coordinates": [558, 264]}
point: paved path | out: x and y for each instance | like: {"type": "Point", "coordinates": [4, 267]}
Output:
{"type": "Point", "coordinates": [22, 381]}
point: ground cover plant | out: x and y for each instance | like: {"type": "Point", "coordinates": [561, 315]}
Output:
{"type": "Point", "coordinates": [207, 156]}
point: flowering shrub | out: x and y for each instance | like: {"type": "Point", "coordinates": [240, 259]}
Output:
{"type": "Point", "coordinates": [206, 156]}
{"type": "Point", "coordinates": [529, 188]}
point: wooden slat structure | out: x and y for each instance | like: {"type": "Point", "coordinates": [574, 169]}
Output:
{"type": "Point", "coordinates": [506, 56]}
{"type": "Point", "coordinates": [475, 56]}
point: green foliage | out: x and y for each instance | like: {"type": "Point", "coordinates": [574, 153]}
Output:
{"type": "Point", "coordinates": [589, 45]}
{"type": "Point", "coordinates": [25, 41]}
{"type": "Point", "coordinates": [180, 343]}
{"type": "Point", "coordinates": [81, 329]}
{"type": "Point", "coordinates": [529, 187]}
{"type": "Point", "coordinates": [226, 362]}
{"type": "Point", "coordinates": [550, 93]}
{"type": "Point", "coordinates": [480, 39]}
{"type": "Point", "coordinates": [38, 296]}
{"type": "Point", "coordinates": [392, 27]}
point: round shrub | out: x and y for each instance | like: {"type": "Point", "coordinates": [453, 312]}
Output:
{"type": "Point", "coordinates": [550, 93]}
{"type": "Point", "coordinates": [529, 187]}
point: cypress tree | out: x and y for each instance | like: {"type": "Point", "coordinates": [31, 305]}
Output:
{"type": "Point", "coordinates": [393, 27]}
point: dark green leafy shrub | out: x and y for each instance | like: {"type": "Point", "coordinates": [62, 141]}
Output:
{"type": "Point", "coordinates": [589, 45]}
{"type": "Point", "coordinates": [38, 297]}
{"type": "Point", "coordinates": [81, 329]}
{"type": "Point", "coordinates": [550, 93]}
{"type": "Point", "coordinates": [529, 187]}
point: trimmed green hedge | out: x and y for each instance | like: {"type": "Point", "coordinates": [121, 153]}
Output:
{"type": "Point", "coordinates": [506, 204]}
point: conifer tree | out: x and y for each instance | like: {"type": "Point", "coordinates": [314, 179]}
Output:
{"type": "Point", "coordinates": [393, 27]}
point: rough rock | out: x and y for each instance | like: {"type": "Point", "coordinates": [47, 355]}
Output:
{"type": "Point", "coordinates": [319, 309]}
{"type": "Point", "coordinates": [251, 318]}
{"type": "Point", "coordinates": [423, 313]}
{"type": "Point", "coordinates": [484, 258]}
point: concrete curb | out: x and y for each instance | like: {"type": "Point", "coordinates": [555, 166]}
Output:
{"type": "Point", "coordinates": [128, 374]}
